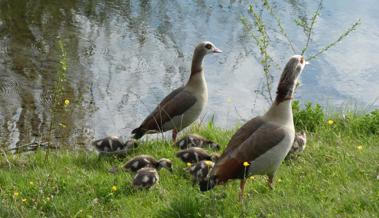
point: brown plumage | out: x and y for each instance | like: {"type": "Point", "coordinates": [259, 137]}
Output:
{"type": "Point", "coordinates": [239, 149]}
{"type": "Point", "coordinates": [194, 140]}
{"type": "Point", "coordinates": [183, 105]}
{"type": "Point", "coordinates": [142, 161]}
{"type": "Point", "coordinates": [261, 144]}
{"type": "Point", "coordinates": [146, 178]}
{"type": "Point", "coordinates": [194, 154]}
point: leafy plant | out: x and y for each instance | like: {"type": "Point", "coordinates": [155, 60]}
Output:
{"type": "Point", "coordinates": [310, 118]}
{"type": "Point", "coordinates": [367, 124]}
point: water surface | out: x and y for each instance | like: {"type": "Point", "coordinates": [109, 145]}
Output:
{"type": "Point", "coordinates": [115, 60]}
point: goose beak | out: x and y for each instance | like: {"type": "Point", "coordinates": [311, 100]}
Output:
{"type": "Point", "coordinates": [217, 50]}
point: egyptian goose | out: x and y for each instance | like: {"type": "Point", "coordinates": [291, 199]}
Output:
{"type": "Point", "coordinates": [194, 140]}
{"type": "Point", "coordinates": [146, 178]}
{"type": "Point", "coordinates": [261, 144]}
{"type": "Point", "coordinates": [194, 155]}
{"type": "Point", "coordinates": [183, 105]}
{"type": "Point", "coordinates": [299, 143]}
{"type": "Point", "coordinates": [142, 161]}
{"type": "Point", "coordinates": [113, 145]}
{"type": "Point", "coordinates": [200, 170]}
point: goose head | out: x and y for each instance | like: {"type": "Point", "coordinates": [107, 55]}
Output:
{"type": "Point", "coordinates": [289, 78]}
{"type": "Point", "coordinates": [206, 47]}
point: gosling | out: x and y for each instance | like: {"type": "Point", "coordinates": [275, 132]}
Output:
{"type": "Point", "coordinates": [146, 178]}
{"type": "Point", "coordinates": [142, 161]}
{"type": "Point", "coordinates": [195, 154]}
{"type": "Point", "coordinates": [194, 140]}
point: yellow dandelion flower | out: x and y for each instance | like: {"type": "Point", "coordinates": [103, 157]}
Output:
{"type": "Point", "coordinates": [66, 102]}
{"type": "Point", "coordinates": [24, 200]}
{"type": "Point", "coordinates": [189, 164]}
{"type": "Point", "coordinates": [16, 194]}
{"type": "Point", "coordinates": [246, 164]}
{"type": "Point", "coordinates": [330, 122]}
{"type": "Point", "coordinates": [208, 163]}
{"type": "Point", "coordinates": [114, 188]}
{"type": "Point", "coordinates": [279, 180]}
{"type": "Point", "coordinates": [251, 177]}
{"type": "Point", "coordinates": [31, 183]}
{"type": "Point", "coordinates": [360, 147]}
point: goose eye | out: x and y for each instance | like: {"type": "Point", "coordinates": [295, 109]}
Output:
{"type": "Point", "coordinates": [208, 46]}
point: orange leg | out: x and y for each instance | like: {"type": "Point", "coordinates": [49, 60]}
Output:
{"type": "Point", "coordinates": [242, 187]}
{"type": "Point", "coordinates": [270, 182]}
{"type": "Point", "coordinates": [174, 134]}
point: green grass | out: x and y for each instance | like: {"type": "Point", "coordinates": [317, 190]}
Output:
{"type": "Point", "coordinates": [332, 178]}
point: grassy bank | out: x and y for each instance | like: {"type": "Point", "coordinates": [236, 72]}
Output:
{"type": "Point", "coordinates": [336, 176]}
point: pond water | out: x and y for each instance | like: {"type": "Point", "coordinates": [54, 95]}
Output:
{"type": "Point", "coordinates": [115, 60]}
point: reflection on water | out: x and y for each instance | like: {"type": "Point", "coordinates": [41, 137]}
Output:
{"type": "Point", "coordinates": [114, 60]}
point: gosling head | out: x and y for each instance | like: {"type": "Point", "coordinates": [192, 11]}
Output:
{"type": "Point", "coordinates": [165, 163]}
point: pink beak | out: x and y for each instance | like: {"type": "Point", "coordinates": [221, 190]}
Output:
{"type": "Point", "coordinates": [216, 50]}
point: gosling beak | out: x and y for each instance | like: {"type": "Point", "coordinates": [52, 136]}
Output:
{"type": "Point", "coordinates": [217, 50]}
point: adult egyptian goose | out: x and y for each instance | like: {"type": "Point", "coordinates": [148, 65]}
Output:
{"type": "Point", "coordinates": [195, 154]}
{"type": "Point", "coordinates": [142, 161]}
{"type": "Point", "coordinates": [183, 105]}
{"type": "Point", "coordinates": [113, 145]}
{"type": "Point", "coordinates": [261, 144]}
{"type": "Point", "coordinates": [194, 140]}
{"type": "Point", "coordinates": [145, 178]}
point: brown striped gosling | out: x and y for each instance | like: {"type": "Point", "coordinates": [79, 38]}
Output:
{"type": "Point", "coordinates": [195, 154]}
{"type": "Point", "coordinates": [194, 140]}
{"type": "Point", "coordinates": [142, 161]}
{"type": "Point", "coordinates": [112, 145]}
{"type": "Point", "coordinates": [200, 170]}
{"type": "Point", "coordinates": [145, 178]}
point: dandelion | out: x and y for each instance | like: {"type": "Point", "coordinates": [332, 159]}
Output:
{"type": "Point", "coordinates": [66, 102]}
{"type": "Point", "coordinates": [251, 177]}
{"type": "Point", "coordinates": [330, 122]}
{"type": "Point", "coordinates": [31, 183]}
{"type": "Point", "coordinates": [114, 188]}
{"type": "Point", "coordinates": [24, 200]}
{"type": "Point", "coordinates": [246, 164]}
{"type": "Point", "coordinates": [279, 180]}
{"type": "Point", "coordinates": [359, 147]}
{"type": "Point", "coordinates": [208, 163]}
{"type": "Point", "coordinates": [16, 194]}
{"type": "Point", "coordinates": [189, 164]}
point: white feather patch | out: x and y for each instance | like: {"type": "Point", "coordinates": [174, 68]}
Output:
{"type": "Point", "coordinates": [145, 179]}
{"type": "Point", "coordinates": [135, 164]}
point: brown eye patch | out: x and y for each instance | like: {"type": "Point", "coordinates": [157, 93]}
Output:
{"type": "Point", "coordinates": [302, 60]}
{"type": "Point", "coordinates": [208, 46]}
